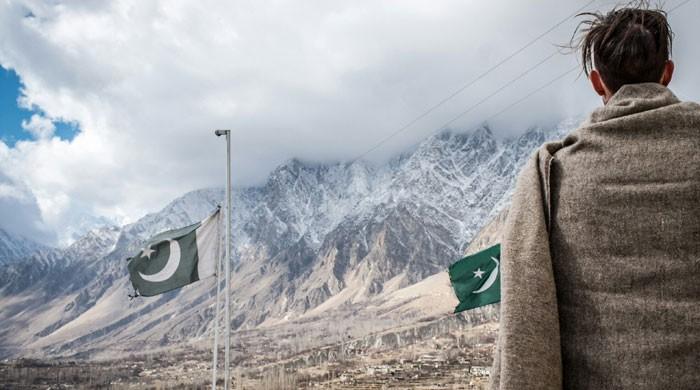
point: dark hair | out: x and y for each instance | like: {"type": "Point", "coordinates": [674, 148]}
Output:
{"type": "Point", "coordinates": [627, 45]}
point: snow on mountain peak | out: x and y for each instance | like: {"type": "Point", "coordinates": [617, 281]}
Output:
{"type": "Point", "coordinates": [13, 247]}
{"type": "Point", "coordinates": [312, 233]}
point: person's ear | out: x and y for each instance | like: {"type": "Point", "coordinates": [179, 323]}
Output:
{"type": "Point", "coordinates": [668, 73]}
{"type": "Point", "coordinates": [598, 85]}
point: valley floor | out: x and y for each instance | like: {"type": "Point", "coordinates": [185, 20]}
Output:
{"type": "Point", "coordinates": [442, 354]}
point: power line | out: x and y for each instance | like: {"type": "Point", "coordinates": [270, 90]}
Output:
{"type": "Point", "coordinates": [474, 81]}
{"type": "Point", "coordinates": [470, 108]}
{"type": "Point", "coordinates": [527, 96]}
{"type": "Point", "coordinates": [543, 86]}
{"type": "Point", "coordinates": [513, 104]}
{"type": "Point", "coordinates": [508, 84]}
{"type": "Point", "coordinates": [678, 6]}
{"type": "Point", "coordinates": [550, 82]}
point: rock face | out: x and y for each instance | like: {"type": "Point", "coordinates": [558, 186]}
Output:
{"type": "Point", "coordinates": [13, 248]}
{"type": "Point", "coordinates": [314, 237]}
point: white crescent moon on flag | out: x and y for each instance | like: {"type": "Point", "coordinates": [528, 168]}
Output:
{"type": "Point", "coordinates": [170, 266]}
{"type": "Point", "coordinates": [490, 280]}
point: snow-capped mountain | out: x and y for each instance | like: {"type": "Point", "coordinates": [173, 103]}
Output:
{"type": "Point", "coordinates": [14, 247]}
{"type": "Point", "coordinates": [313, 238]}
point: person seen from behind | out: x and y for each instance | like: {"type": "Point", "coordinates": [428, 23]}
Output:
{"type": "Point", "coordinates": [601, 249]}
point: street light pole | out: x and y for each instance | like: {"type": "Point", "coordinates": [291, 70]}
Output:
{"type": "Point", "coordinates": [227, 264]}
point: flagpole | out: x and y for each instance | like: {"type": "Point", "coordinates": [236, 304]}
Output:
{"type": "Point", "coordinates": [215, 362]}
{"type": "Point", "coordinates": [227, 267]}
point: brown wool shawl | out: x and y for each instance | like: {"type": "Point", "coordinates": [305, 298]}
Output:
{"type": "Point", "coordinates": [600, 253]}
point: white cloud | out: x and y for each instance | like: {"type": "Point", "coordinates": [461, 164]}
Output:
{"type": "Point", "coordinates": [39, 126]}
{"type": "Point", "coordinates": [20, 212]}
{"type": "Point", "coordinates": [148, 82]}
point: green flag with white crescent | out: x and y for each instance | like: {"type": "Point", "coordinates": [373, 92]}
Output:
{"type": "Point", "coordinates": [476, 279]}
{"type": "Point", "coordinates": [176, 258]}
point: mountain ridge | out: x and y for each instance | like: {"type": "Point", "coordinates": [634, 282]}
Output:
{"type": "Point", "coordinates": [338, 233]}
{"type": "Point", "coordinates": [15, 247]}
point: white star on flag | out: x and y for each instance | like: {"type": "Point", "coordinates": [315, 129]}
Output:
{"type": "Point", "coordinates": [146, 252]}
{"type": "Point", "coordinates": [478, 273]}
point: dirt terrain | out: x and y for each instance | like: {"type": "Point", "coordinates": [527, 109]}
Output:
{"type": "Point", "coordinates": [451, 352]}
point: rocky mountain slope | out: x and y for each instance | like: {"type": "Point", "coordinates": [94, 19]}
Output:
{"type": "Point", "coordinates": [13, 248]}
{"type": "Point", "coordinates": [314, 239]}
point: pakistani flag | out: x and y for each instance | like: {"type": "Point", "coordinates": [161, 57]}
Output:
{"type": "Point", "coordinates": [176, 258]}
{"type": "Point", "coordinates": [476, 279]}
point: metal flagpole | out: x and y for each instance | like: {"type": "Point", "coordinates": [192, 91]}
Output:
{"type": "Point", "coordinates": [215, 362]}
{"type": "Point", "coordinates": [227, 267]}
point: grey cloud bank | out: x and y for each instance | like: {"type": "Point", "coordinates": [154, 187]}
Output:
{"type": "Point", "coordinates": [148, 82]}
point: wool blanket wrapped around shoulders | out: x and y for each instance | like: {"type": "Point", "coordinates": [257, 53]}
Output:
{"type": "Point", "coordinates": [601, 253]}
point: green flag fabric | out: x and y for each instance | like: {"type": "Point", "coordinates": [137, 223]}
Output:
{"type": "Point", "coordinates": [176, 258]}
{"type": "Point", "coordinates": [476, 279]}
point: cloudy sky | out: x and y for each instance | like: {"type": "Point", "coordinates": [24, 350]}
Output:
{"type": "Point", "coordinates": [107, 109]}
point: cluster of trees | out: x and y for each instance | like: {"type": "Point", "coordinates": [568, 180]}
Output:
{"type": "Point", "coordinates": [279, 378]}
{"type": "Point", "coordinates": [56, 376]}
